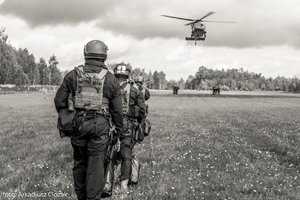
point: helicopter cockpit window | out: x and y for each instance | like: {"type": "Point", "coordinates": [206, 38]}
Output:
{"type": "Point", "coordinates": [200, 26]}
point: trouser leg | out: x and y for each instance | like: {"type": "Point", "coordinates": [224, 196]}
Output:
{"type": "Point", "coordinates": [126, 157]}
{"type": "Point", "coordinates": [95, 171]}
{"type": "Point", "coordinates": [79, 171]}
{"type": "Point", "coordinates": [95, 175]}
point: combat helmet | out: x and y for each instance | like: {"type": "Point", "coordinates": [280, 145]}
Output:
{"type": "Point", "coordinates": [138, 79]}
{"type": "Point", "coordinates": [95, 49]}
{"type": "Point", "coordinates": [122, 69]}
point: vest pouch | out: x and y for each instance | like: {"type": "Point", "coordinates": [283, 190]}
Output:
{"type": "Point", "coordinates": [134, 111]}
{"type": "Point", "coordinates": [65, 122]}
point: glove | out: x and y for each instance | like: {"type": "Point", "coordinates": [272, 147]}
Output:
{"type": "Point", "coordinates": [140, 134]}
{"type": "Point", "coordinates": [117, 146]}
{"type": "Point", "coordinates": [115, 135]}
{"type": "Point", "coordinates": [115, 139]}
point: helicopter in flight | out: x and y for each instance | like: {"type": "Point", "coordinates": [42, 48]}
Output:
{"type": "Point", "coordinates": [198, 28]}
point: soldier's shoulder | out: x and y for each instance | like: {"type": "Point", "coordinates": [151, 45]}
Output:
{"type": "Point", "coordinates": [70, 74]}
{"type": "Point", "coordinates": [110, 77]}
{"type": "Point", "coordinates": [134, 91]}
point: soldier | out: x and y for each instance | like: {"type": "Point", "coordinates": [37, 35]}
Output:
{"type": "Point", "coordinates": [139, 81]}
{"type": "Point", "coordinates": [145, 124]}
{"type": "Point", "coordinates": [216, 90]}
{"type": "Point", "coordinates": [133, 110]}
{"type": "Point", "coordinates": [175, 89]}
{"type": "Point", "coordinates": [96, 95]}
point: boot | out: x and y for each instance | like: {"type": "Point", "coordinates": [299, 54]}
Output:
{"type": "Point", "coordinates": [124, 186]}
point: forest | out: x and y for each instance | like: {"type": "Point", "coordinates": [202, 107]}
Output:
{"type": "Point", "coordinates": [230, 79]}
{"type": "Point", "coordinates": [19, 67]}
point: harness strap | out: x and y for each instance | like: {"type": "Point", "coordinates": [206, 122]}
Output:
{"type": "Point", "coordinates": [127, 89]}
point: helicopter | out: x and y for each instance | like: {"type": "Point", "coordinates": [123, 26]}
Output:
{"type": "Point", "coordinates": [198, 28]}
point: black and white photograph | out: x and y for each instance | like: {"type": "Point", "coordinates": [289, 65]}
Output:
{"type": "Point", "coordinates": [150, 100]}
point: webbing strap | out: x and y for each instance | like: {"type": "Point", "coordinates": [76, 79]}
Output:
{"type": "Point", "coordinates": [144, 92]}
{"type": "Point", "coordinates": [127, 89]}
{"type": "Point", "coordinates": [128, 95]}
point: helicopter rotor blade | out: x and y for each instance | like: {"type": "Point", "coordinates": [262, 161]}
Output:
{"type": "Point", "coordinates": [208, 14]}
{"type": "Point", "coordinates": [194, 22]}
{"type": "Point", "coordinates": [200, 20]}
{"type": "Point", "coordinates": [219, 21]}
{"type": "Point", "coordinates": [186, 19]}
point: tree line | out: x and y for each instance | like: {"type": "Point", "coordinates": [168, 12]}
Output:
{"type": "Point", "coordinates": [20, 68]}
{"type": "Point", "coordinates": [239, 79]}
{"type": "Point", "coordinates": [230, 79]}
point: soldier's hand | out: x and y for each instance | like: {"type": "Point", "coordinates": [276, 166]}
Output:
{"type": "Point", "coordinates": [115, 138]}
{"type": "Point", "coordinates": [118, 145]}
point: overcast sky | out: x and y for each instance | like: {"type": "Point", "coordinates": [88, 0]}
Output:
{"type": "Point", "coordinates": [265, 39]}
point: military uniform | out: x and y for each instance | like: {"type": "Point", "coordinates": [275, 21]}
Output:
{"type": "Point", "coordinates": [90, 140]}
{"type": "Point", "coordinates": [130, 122]}
{"type": "Point", "coordinates": [146, 95]}
{"type": "Point", "coordinates": [145, 92]}
{"type": "Point", "coordinates": [133, 111]}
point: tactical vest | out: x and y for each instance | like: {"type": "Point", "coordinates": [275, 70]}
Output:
{"type": "Point", "coordinates": [89, 91]}
{"type": "Point", "coordinates": [125, 92]}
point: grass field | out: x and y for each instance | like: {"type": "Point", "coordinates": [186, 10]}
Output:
{"type": "Point", "coordinates": [233, 146]}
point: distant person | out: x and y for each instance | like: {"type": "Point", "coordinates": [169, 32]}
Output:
{"type": "Point", "coordinates": [175, 89]}
{"type": "Point", "coordinates": [93, 94]}
{"type": "Point", "coordinates": [133, 111]}
{"type": "Point", "coordinates": [216, 90]}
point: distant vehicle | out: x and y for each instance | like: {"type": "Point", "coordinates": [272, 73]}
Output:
{"type": "Point", "coordinates": [198, 28]}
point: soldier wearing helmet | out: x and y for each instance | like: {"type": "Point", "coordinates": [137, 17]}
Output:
{"type": "Point", "coordinates": [145, 123]}
{"type": "Point", "coordinates": [93, 94]}
{"type": "Point", "coordinates": [133, 110]}
{"type": "Point", "coordinates": [139, 81]}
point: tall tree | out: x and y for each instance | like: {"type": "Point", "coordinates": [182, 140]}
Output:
{"type": "Point", "coordinates": [8, 61]}
{"type": "Point", "coordinates": [28, 64]}
{"type": "Point", "coordinates": [21, 78]}
{"type": "Point", "coordinates": [156, 80]}
{"type": "Point", "coordinates": [56, 75]}
{"type": "Point", "coordinates": [45, 73]}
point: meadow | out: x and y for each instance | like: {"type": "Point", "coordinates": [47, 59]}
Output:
{"type": "Point", "coordinates": [233, 146]}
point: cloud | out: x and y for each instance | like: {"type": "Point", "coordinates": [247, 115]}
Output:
{"type": "Point", "coordinates": [176, 57]}
{"type": "Point", "coordinates": [39, 13]}
{"type": "Point", "coordinates": [260, 23]}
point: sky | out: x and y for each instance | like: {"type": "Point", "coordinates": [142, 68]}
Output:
{"type": "Point", "coordinates": [264, 40]}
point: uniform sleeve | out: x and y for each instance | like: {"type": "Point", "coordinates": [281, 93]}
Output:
{"type": "Point", "coordinates": [61, 97]}
{"type": "Point", "coordinates": [115, 106]}
{"type": "Point", "coordinates": [140, 102]}
{"type": "Point", "coordinates": [147, 94]}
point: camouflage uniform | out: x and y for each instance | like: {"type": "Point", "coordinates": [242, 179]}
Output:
{"type": "Point", "coordinates": [133, 111]}
{"type": "Point", "coordinates": [146, 96]}
{"type": "Point", "coordinates": [129, 129]}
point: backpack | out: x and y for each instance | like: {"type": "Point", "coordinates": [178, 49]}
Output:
{"type": "Point", "coordinates": [125, 92]}
{"type": "Point", "coordinates": [89, 91]}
